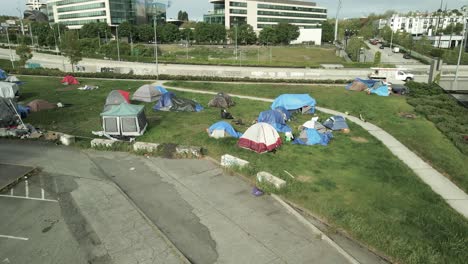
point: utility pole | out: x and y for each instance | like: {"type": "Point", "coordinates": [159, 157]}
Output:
{"type": "Point", "coordinates": [187, 44]}
{"type": "Point", "coordinates": [31, 35]}
{"type": "Point", "coordinates": [58, 29]}
{"type": "Point", "coordinates": [9, 48]}
{"type": "Point", "coordinates": [156, 46]}
{"type": "Point", "coordinates": [117, 38]}
{"type": "Point", "coordinates": [236, 40]}
{"type": "Point", "coordinates": [99, 39]}
{"type": "Point", "coordinates": [336, 21]}
{"type": "Point", "coordinates": [462, 44]}
{"type": "Point", "coordinates": [21, 20]}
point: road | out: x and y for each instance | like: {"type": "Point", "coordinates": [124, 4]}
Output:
{"type": "Point", "coordinates": [393, 58]}
{"type": "Point", "coordinates": [209, 216]}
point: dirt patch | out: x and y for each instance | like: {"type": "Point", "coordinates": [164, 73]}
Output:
{"type": "Point", "coordinates": [359, 139]}
{"type": "Point", "coordinates": [303, 178]}
{"type": "Point", "coordinates": [407, 115]}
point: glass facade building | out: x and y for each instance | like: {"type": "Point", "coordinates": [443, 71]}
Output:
{"type": "Point", "coordinates": [76, 13]}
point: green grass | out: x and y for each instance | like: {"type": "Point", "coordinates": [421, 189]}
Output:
{"type": "Point", "coordinates": [359, 187]}
{"type": "Point", "coordinates": [419, 134]}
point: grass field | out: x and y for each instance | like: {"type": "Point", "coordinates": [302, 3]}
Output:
{"type": "Point", "coordinates": [419, 134]}
{"type": "Point", "coordinates": [356, 185]}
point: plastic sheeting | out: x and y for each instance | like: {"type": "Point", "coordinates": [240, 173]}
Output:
{"type": "Point", "coordinates": [294, 102]}
{"type": "Point", "coordinates": [275, 119]}
{"type": "Point", "coordinates": [3, 74]}
{"type": "Point", "coordinates": [169, 102]}
{"type": "Point", "coordinates": [8, 90]}
{"type": "Point", "coordinates": [310, 136]}
{"type": "Point", "coordinates": [225, 126]}
{"type": "Point", "coordinates": [336, 123]}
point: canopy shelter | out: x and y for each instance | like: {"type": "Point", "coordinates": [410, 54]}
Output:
{"type": "Point", "coordinates": [146, 93]}
{"type": "Point", "coordinates": [295, 102]}
{"type": "Point", "coordinates": [8, 116]}
{"type": "Point", "coordinates": [260, 137]}
{"type": "Point", "coordinates": [8, 90]}
{"type": "Point", "coordinates": [69, 80]}
{"type": "Point", "coordinates": [116, 97]}
{"type": "Point", "coordinates": [336, 123]}
{"type": "Point", "coordinates": [12, 79]}
{"type": "Point", "coordinates": [3, 74]}
{"type": "Point", "coordinates": [221, 100]}
{"type": "Point", "coordinates": [125, 120]}
{"type": "Point", "coordinates": [275, 119]}
{"type": "Point", "coordinates": [40, 105]}
{"type": "Point", "coordinates": [223, 129]}
{"type": "Point", "coordinates": [170, 102]}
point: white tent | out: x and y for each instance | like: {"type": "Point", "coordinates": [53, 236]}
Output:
{"type": "Point", "coordinates": [146, 93]}
{"type": "Point", "coordinates": [260, 137]}
{"type": "Point", "coordinates": [12, 79]}
{"type": "Point", "coordinates": [8, 90]}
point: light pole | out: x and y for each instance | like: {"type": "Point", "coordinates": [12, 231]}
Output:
{"type": "Point", "coordinates": [236, 40]}
{"type": "Point", "coordinates": [117, 38]}
{"type": "Point", "coordinates": [9, 48]}
{"type": "Point", "coordinates": [336, 21]}
{"type": "Point", "coordinates": [462, 44]}
{"type": "Point", "coordinates": [156, 46]}
{"type": "Point", "coordinates": [21, 21]}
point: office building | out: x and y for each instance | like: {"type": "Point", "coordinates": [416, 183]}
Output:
{"type": "Point", "coordinates": [266, 13]}
{"type": "Point", "coordinates": [76, 13]}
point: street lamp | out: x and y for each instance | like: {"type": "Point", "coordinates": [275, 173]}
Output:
{"type": "Point", "coordinates": [336, 21]}
{"type": "Point", "coordinates": [156, 46]}
{"type": "Point", "coordinates": [117, 38]}
{"type": "Point", "coordinates": [462, 44]}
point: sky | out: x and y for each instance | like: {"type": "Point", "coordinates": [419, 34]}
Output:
{"type": "Point", "coordinates": [350, 8]}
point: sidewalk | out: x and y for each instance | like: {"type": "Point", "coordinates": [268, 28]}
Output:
{"type": "Point", "coordinates": [453, 195]}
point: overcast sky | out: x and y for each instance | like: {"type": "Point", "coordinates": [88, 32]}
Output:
{"type": "Point", "coordinates": [351, 8]}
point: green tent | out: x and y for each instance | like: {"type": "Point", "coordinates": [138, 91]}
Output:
{"type": "Point", "coordinates": [124, 120]}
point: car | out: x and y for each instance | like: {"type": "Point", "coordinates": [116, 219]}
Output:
{"type": "Point", "coordinates": [407, 56]}
{"type": "Point", "coordinates": [381, 47]}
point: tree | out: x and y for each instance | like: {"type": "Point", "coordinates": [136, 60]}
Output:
{"type": "Point", "coordinates": [245, 34]}
{"type": "Point", "coordinates": [125, 29]}
{"type": "Point", "coordinates": [328, 31]}
{"type": "Point", "coordinates": [145, 33]}
{"type": "Point", "coordinates": [354, 48]}
{"type": "Point", "coordinates": [377, 58]}
{"type": "Point", "coordinates": [423, 45]}
{"type": "Point", "coordinates": [70, 47]}
{"type": "Point", "coordinates": [209, 33]}
{"type": "Point", "coordinates": [386, 33]}
{"type": "Point", "coordinates": [267, 36]}
{"type": "Point", "coordinates": [24, 53]}
{"type": "Point", "coordinates": [182, 16]}
{"type": "Point", "coordinates": [169, 33]}
{"type": "Point", "coordinates": [285, 33]}
{"type": "Point", "coordinates": [179, 15]}
{"type": "Point", "coordinates": [93, 30]}
{"type": "Point", "coordinates": [43, 33]}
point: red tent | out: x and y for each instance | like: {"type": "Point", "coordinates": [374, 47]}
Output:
{"type": "Point", "coordinates": [68, 80]}
{"type": "Point", "coordinates": [125, 94]}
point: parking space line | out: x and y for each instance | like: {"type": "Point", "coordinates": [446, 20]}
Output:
{"type": "Point", "coordinates": [28, 198]}
{"type": "Point", "coordinates": [14, 237]}
{"type": "Point", "coordinates": [42, 194]}
{"type": "Point", "coordinates": [11, 191]}
{"type": "Point", "coordinates": [26, 187]}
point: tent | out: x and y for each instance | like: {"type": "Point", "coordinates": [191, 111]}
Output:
{"type": "Point", "coordinates": [260, 137]}
{"type": "Point", "coordinates": [336, 123]}
{"type": "Point", "coordinates": [221, 100]}
{"type": "Point", "coordinates": [40, 105]}
{"type": "Point", "coordinates": [12, 79]}
{"type": "Point", "coordinates": [169, 102]}
{"type": "Point", "coordinates": [3, 74]}
{"type": "Point", "coordinates": [146, 93]}
{"type": "Point", "coordinates": [284, 112]}
{"type": "Point", "coordinates": [116, 97]}
{"type": "Point", "coordinates": [373, 86]}
{"type": "Point", "coordinates": [357, 85]}
{"type": "Point", "coordinates": [293, 102]}
{"type": "Point", "coordinates": [125, 120]}
{"type": "Point", "coordinates": [310, 136]}
{"type": "Point", "coordinates": [160, 89]}
{"type": "Point", "coordinates": [69, 80]}
{"type": "Point", "coordinates": [8, 90]}
{"type": "Point", "coordinates": [222, 129]}
{"type": "Point", "coordinates": [275, 119]}
{"type": "Point", "coordinates": [8, 115]}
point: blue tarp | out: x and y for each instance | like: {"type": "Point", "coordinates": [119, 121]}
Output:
{"type": "Point", "coordinates": [169, 102]}
{"type": "Point", "coordinates": [3, 74]}
{"type": "Point", "coordinates": [161, 89]}
{"type": "Point", "coordinates": [275, 119]}
{"type": "Point", "coordinates": [294, 102]}
{"type": "Point", "coordinates": [284, 111]}
{"type": "Point", "coordinates": [164, 102]}
{"type": "Point", "coordinates": [314, 137]}
{"type": "Point", "coordinates": [336, 123]}
{"type": "Point", "coordinates": [222, 125]}
{"type": "Point", "coordinates": [380, 91]}
{"type": "Point", "coordinates": [22, 110]}
{"type": "Point", "coordinates": [375, 86]}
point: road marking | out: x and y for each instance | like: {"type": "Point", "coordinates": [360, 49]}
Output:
{"type": "Point", "coordinates": [26, 187]}
{"type": "Point", "coordinates": [13, 237]}
{"type": "Point", "coordinates": [42, 194]}
{"type": "Point", "coordinates": [11, 192]}
{"type": "Point", "coordinates": [28, 198]}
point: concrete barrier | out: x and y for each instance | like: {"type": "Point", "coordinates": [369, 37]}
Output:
{"type": "Point", "coordinates": [193, 151]}
{"type": "Point", "coordinates": [97, 142]}
{"type": "Point", "coordinates": [275, 181]}
{"type": "Point", "coordinates": [144, 146]}
{"type": "Point", "coordinates": [229, 161]}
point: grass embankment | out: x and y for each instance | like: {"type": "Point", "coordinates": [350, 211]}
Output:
{"type": "Point", "coordinates": [358, 186]}
{"type": "Point", "coordinates": [419, 134]}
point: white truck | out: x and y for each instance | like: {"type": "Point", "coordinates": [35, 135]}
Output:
{"type": "Point", "coordinates": [396, 50]}
{"type": "Point", "coordinates": [391, 75]}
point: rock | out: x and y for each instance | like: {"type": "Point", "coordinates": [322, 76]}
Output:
{"type": "Point", "coordinates": [229, 161]}
{"type": "Point", "coordinates": [275, 181]}
{"type": "Point", "coordinates": [194, 151]}
{"type": "Point", "coordinates": [144, 146]}
{"type": "Point", "coordinates": [97, 142]}
{"type": "Point", "coordinates": [67, 140]}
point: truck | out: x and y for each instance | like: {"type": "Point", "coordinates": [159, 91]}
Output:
{"type": "Point", "coordinates": [392, 75]}
{"type": "Point", "coordinates": [396, 50]}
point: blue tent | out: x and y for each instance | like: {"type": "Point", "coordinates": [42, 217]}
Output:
{"type": "Point", "coordinates": [275, 119]}
{"type": "Point", "coordinates": [294, 102]}
{"type": "Point", "coordinates": [3, 74]}
{"type": "Point", "coordinates": [161, 89]}
{"type": "Point", "coordinates": [310, 136]}
{"type": "Point", "coordinates": [283, 111]}
{"type": "Point", "coordinates": [336, 123]}
{"type": "Point", "coordinates": [222, 125]}
{"type": "Point", "coordinates": [380, 91]}
{"type": "Point", "coordinates": [169, 102]}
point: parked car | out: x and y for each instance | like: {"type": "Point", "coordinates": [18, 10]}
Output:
{"type": "Point", "coordinates": [381, 46]}
{"type": "Point", "coordinates": [407, 56]}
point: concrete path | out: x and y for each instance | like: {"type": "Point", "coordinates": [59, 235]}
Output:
{"type": "Point", "coordinates": [453, 195]}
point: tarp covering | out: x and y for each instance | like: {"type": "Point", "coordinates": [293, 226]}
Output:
{"type": "Point", "coordinates": [226, 127]}
{"type": "Point", "coordinates": [124, 110]}
{"type": "Point", "coordinates": [380, 91]}
{"type": "Point", "coordinates": [260, 137]}
{"type": "Point", "coordinates": [8, 116]}
{"type": "Point", "coordinates": [8, 90]}
{"type": "Point", "coordinates": [221, 100]}
{"type": "Point", "coordinates": [116, 97]}
{"type": "Point", "coordinates": [170, 102]}
{"type": "Point", "coordinates": [336, 123]}
{"type": "Point", "coordinates": [12, 79]}
{"type": "Point", "coordinates": [294, 102]}
{"type": "Point", "coordinates": [310, 136]}
{"type": "Point", "coordinates": [286, 113]}
{"type": "Point", "coordinates": [39, 105]}
{"type": "Point", "coordinates": [3, 74]}
{"type": "Point", "coordinates": [374, 86]}
{"type": "Point", "coordinates": [161, 89]}
{"type": "Point", "coordinates": [146, 93]}
{"type": "Point", "coordinates": [69, 80]}
{"type": "Point", "coordinates": [276, 119]}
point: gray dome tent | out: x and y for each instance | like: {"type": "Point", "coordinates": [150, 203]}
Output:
{"type": "Point", "coordinates": [146, 93]}
{"type": "Point", "coordinates": [115, 98]}
{"type": "Point", "coordinates": [221, 100]}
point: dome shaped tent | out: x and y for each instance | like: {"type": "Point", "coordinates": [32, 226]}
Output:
{"type": "Point", "coordinates": [69, 80]}
{"type": "Point", "coordinates": [8, 90]}
{"type": "Point", "coordinates": [221, 100]}
{"type": "Point", "coordinates": [116, 97]}
{"type": "Point", "coordinates": [260, 137]}
{"type": "Point", "coordinates": [222, 129]}
{"type": "Point", "coordinates": [146, 93]}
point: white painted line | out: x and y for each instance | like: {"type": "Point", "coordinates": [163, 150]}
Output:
{"type": "Point", "coordinates": [28, 198]}
{"type": "Point", "coordinates": [11, 192]}
{"type": "Point", "coordinates": [13, 237]}
{"type": "Point", "coordinates": [42, 194]}
{"type": "Point", "coordinates": [26, 187]}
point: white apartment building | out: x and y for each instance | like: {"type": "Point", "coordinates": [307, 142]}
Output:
{"type": "Point", "coordinates": [265, 13]}
{"type": "Point", "coordinates": [35, 5]}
